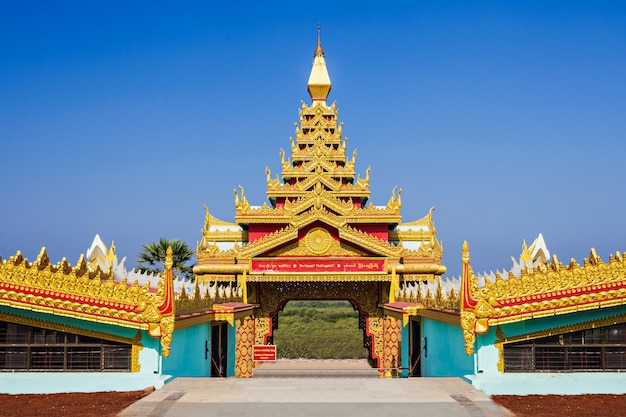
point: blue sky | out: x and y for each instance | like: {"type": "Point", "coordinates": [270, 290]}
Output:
{"type": "Point", "coordinates": [125, 118]}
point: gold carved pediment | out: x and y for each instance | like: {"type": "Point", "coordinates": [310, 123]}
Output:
{"type": "Point", "coordinates": [316, 243]}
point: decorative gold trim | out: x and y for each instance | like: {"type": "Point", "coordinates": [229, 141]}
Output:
{"type": "Point", "coordinates": [45, 324]}
{"type": "Point", "coordinates": [498, 344]}
{"type": "Point", "coordinates": [203, 302]}
{"type": "Point", "coordinates": [135, 365]}
{"type": "Point", "coordinates": [440, 300]}
{"type": "Point", "coordinates": [467, 324]}
{"type": "Point", "coordinates": [368, 241]}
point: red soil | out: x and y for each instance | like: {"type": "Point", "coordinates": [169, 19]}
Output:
{"type": "Point", "coordinates": [93, 404]}
{"type": "Point", "coordinates": [596, 405]}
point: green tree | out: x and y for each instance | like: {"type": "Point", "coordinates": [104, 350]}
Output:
{"type": "Point", "coordinates": [152, 258]}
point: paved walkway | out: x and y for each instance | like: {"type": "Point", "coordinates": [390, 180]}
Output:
{"type": "Point", "coordinates": [302, 393]}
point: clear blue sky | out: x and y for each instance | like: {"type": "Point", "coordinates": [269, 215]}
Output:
{"type": "Point", "coordinates": [125, 118]}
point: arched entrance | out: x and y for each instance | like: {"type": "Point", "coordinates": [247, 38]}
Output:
{"type": "Point", "coordinates": [364, 296]}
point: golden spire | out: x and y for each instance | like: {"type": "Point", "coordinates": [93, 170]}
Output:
{"type": "Point", "coordinates": [319, 81]}
{"type": "Point", "coordinates": [319, 51]}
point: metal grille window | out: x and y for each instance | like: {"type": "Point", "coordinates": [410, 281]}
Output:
{"type": "Point", "coordinates": [599, 349]}
{"type": "Point", "coordinates": [27, 348]}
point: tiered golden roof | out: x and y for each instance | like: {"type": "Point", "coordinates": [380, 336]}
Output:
{"type": "Point", "coordinates": [318, 187]}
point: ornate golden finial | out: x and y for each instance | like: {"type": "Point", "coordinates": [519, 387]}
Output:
{"type": "Point", "coordinates": [111, 252]}
{"type": "Point", "coordinates": [466, 256]}
{"type": "Point", "coordinates": [319, 51]}
{"type": "Point", "coordinates": [526, 256]}
{"type": "Point", "coordinates": [207, 218]}
{"type": "Point", "coordinates": [243, 203]}
{"type": "Point", "coordinates": [236, 197]}
{"type": "Point", "coordinates": [168, 258]}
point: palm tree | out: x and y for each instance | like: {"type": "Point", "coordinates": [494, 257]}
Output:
{"type": "Point", "coordinates": [152, 258]}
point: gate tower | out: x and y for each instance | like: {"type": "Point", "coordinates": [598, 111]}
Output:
{"type": "Point", "coordinates": [318, 238]}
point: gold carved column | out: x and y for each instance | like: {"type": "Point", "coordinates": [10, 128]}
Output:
{"type": "Point", "coordinates": [374, 331]}
{"type": "Point", "coordinates": [244, 363]}
{"type": "Point", "coordinates": [392, 331]}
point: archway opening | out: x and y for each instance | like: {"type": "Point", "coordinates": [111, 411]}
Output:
{"type": "Point", "coordinates": [318, 338]}
{"type": "Point", "coordinates": [319, 330]}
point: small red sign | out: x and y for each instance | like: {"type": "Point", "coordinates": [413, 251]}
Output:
{"type": "Point", "coordinates": [265, 353]}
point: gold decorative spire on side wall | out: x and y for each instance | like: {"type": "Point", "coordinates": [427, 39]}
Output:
{"type": "Point", "coordinates": [319, 81]}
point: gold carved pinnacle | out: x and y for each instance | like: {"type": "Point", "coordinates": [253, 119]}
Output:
{"type": "Point", "coordinates": [271, 182]}
{"type": "Point", "coordinates": [395, 203]}
{"type": "Point", "coordinates": [241, 205]}
{"type": "Point", "coordinates": [364, 184]}
{"type": "Point", "coordinates": [168, 258]}
{"type": "Point", "coordinates": [466, 256]}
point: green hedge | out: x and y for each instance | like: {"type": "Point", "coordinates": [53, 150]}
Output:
{"type": "Point", "coordinates": [319, 330]}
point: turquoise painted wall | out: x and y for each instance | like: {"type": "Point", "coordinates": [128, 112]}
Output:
{"type": "Point", "coordinates": [232, 344]}
{"type": "Point", "coordinates": [150, 355]}
{"type": "Point", "coordinates": [58, 382]}
{"type": "Point", "coordinates": [487, 354]}
{"type": "Point", "coordinates": [405, 357]}
{"type": "Point", "coordinates": [569, 383]}
{"type": "Point", "coordinates": [445, 353]}
{"type": "Point", "coordinates": [188, 352]}
{"type": "Point", "coordinates": [488, 379]}
{"type": "Point", "coordinates": [150, 374]}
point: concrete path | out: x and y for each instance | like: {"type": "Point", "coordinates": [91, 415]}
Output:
{"type": "Point", "coordinates": [337, 393]}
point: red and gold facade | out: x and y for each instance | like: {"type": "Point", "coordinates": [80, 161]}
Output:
{"type": "Point", "coordinates": [317, 237]}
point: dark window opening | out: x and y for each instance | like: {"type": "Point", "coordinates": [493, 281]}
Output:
{"type": "Point", "coordinates": [32, 349]}
{"type": "Point", "coordinates": [599, 349]}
